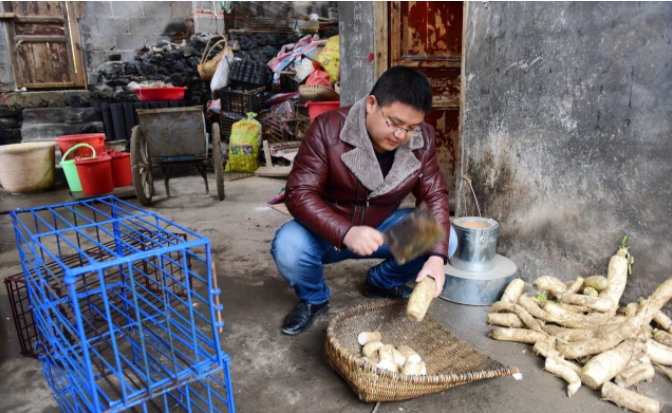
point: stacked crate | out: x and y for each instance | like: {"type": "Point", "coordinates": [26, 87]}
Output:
{"type": "Point", "coordinates": [122, 317]}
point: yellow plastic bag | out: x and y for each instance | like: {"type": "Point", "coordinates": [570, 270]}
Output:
{"type": "Point", "coordinates": [330, 58]}
{"type": "Point", "coordinates": [244, 145]}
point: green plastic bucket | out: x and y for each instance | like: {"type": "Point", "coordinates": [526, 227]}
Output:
{"type": "Point", "coordinates": [70, 170]}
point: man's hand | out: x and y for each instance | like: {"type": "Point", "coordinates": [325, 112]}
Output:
{"type": "Point", "coordinates": [363, 240]}
{"type": "Point", "coordinates": [434, 269]}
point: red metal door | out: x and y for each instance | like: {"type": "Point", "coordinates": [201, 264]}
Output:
{"type": "Point", "coordinates": [428, 36]}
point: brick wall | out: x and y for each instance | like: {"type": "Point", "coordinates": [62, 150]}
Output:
{"type": "Point", "coordinates": [125, 27]}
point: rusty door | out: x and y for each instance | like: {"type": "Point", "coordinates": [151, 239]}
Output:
{"type": "Point", "coordinates": [44, 44]}
{"type": "Point", "coordinates": [428, 36]}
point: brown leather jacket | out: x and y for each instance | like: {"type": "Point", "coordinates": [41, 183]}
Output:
{"type": "Point", "coordinates": [336, 181]}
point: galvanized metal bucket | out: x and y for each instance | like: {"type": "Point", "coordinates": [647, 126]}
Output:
{"type": "Point", "coordinates": [479, 288]}
{"type": "Point", "coordinates": [476, 243]}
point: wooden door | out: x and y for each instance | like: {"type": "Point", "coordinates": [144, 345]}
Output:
{"type": "Point", "coordinates": [44, 44]}
{"type": "Point", "coordinates": [428, 36]}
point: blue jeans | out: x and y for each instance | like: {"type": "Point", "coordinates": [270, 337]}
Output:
{"type": "Point", "coordinates": [301, 255]}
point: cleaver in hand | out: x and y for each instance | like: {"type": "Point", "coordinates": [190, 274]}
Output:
{"type": "Point", "coordinates": [414, 236]}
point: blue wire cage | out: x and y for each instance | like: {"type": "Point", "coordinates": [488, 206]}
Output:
{"type": "Point", "coordinates": [124, 309]}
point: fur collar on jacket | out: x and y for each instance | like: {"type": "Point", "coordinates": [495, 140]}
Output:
{"type": "Point", "coordinates": [362, 159]}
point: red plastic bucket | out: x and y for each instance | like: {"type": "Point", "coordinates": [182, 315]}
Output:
{"type": "Point", "coordinates": [121, 169]}
{"type": "Point", "coordinates": [97, 140]}
{"type": "Point", "coordinates": [318, 108]}
{"type": "Point", "coordinates": [95, 175]}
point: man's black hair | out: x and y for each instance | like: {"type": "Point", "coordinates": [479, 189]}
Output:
{"type": "Point", "coordinates": [404, 85]}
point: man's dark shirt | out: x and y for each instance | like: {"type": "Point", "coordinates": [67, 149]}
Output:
{"type": "Point", "coordinates": [385, 160]}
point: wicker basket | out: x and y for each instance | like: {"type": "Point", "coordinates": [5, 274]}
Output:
{"type": "Point", "coordinates": [318, 93]}
{"type": "Point", "coordinates": [450, 362]}
{"type": "Point", "coordinates": [206, 68]}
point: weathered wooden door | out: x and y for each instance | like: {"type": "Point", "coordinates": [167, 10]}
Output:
{"type": "Point", "coordinates": [428, 36]}
{"type": "Point", "coordinates": [44, 44]}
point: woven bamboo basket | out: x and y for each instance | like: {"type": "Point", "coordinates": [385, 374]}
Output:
{"type": "Point", "coordinates": [318, 93]}
{"type": "Point", "coordinates": [206, 68]}
{"type": "Point", "coordinates": [450, 362]}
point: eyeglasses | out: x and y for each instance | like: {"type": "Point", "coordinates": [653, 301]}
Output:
{"type": "Point", "coordinates": [397, 129]}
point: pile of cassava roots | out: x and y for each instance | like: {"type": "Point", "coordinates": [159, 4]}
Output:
{"type": "Point", "coordinates": [586, 338]}
{"type": "Point", "coordinates": [402, 359]}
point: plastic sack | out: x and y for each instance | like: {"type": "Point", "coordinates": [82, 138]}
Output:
{"type": "Point", "coordinates": [244, 145]}
{"type": "Point", "coordinates": [289, 52]}
{"type": "Point", "coordinates": [319, 77]}
{"type": "Point", "coordinates": [221, 77]}
{"type": "Point", "coordinates": [330, 59]}
{"type": "Point", "coordinates": [304, 69]}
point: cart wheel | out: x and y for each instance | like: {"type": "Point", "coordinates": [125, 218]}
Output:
{"type": "Point", "coordinates": [141, 167]}
{"type": "Point", "coordinates": [218, 159]}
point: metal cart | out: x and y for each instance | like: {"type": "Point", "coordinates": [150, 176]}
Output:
{"type": "Point", "coordinates": [170, 137]}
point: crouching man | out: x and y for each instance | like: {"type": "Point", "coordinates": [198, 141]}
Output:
{"type": "Point", "coordinates": [350, 175]}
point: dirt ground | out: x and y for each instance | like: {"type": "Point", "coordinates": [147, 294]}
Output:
{"type": "Point", "coordinates": [274, 372]}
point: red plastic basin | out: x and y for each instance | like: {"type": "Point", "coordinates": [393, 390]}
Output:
{"type": "Point", "coordinates": [121, 169]}
{"type": "Point", "coordinates": [95, 175]}
{"type": "Point", "coordinates": [318, 108]}
{"type": "Point", "coordinates": [148, 94]}
{"type": "Point", "coordinates": [97, 140]}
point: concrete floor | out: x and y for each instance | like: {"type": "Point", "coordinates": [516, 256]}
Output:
{"type": "Point", "coordinates": [274, 372]}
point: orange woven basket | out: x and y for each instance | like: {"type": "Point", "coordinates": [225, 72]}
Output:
{"type": "Point", "coordinates": [450, 362]}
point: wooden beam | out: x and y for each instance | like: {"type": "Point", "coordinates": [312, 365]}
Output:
{"type": "Point", "coordinates": [267, 153]}
{"type": "Point", "coordinates": [40, 39]}
{"type": "Point", "coordinates": [7, 5]}
{"type": "Point", "coordinates": [50, 85]}
{"type": "Point", "coordinates": [429, 62]}
{"type": "Point", "coordinates": [6, 15]}
{"type": "Point", "coordinates": [396, 26]}
{"type": "Point", "coordinates": [382, 37]}
{"type": "Point", "coordinates": [37, 19]}
{"type": "Point", "coordinates": [79, 9]}
{"type": "Point", "coordinates": [274, 171]}
{"type": "Point", "coordinates": [75, 45]}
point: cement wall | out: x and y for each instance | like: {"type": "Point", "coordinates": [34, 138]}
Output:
{"type": "Point", "coordinates": [123, 28]}
{"type": "Point", "coordinates": [126, 26]}
{"type": "Point", "coordinates": [567, 126]}
{"type": "Point", "coordinates": [357, 28]}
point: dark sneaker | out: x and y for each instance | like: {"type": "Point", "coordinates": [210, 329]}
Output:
{"type": "Point", "coordinates": [302, 317]}
{"type": "Point", "coordinates": [395, 293]}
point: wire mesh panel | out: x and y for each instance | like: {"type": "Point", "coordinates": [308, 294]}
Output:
{"type": "Point", "coordinates": [22, 315]}
{"type": "Point", "coordinates": [124, 307]}
{"type": "Point", "coordinates": [19, 301]}
{"type": "Point", "coordinates": [284, 126]}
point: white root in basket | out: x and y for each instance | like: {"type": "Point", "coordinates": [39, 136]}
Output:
{"type": "Point", "coordinates": [399, 358]}
{"type": "Point", "coordinates": [415, 368]}
{"type": "Point", "coordinates": [368, 337]}
{"type": "Point", "coordinates": [371, 348]}
{"type": "Point", "coordinates": [410, 354]}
